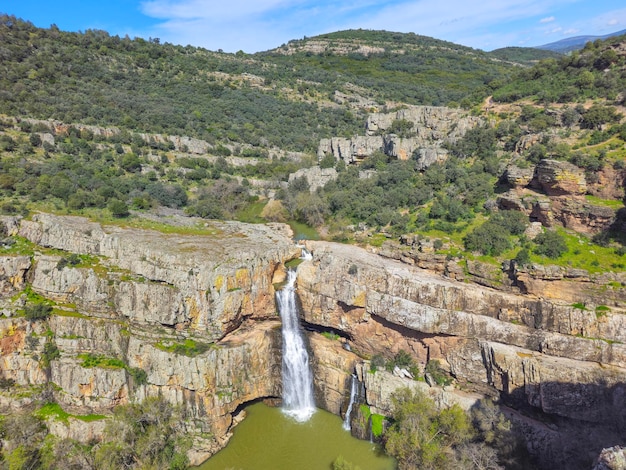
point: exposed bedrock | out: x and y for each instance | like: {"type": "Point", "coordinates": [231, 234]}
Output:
{"type": "Point", "coordinates": [543, 357]}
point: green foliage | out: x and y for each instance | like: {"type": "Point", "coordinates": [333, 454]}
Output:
{"type": "Point", "coordinates": [494, 236]}
{"type": "Point", "coordinates": [551, 244]}
{"type": "Point", "coordinates": [421, 437]}
{"type": "Point", "coordinates": [145, 435]}
{"type": "Point", "coordinates": [118, 208]}
{"type": "Point", "coordinates": [189, 347]}
{"type": "Point", "coordinates": [71, 260]}
{"type": "Point", "coordinates": [377, 362]}
{"type": "Point", "coordinates": [96, 360]}
{"type": "Point", "coordinates": [330, 335]}
{"type": "Point", "coordinates": [342, 464]}
{"type": "Point", "coordinates": [37, 311]}
{"type": "Point", "coordinates": [594, 72]}
{"type": "Point", "coordinates": [433, 368]}
{"type": "Point", "coordinates": [140, 377]}
{"type": "Point", "coordinates": [49, 354]}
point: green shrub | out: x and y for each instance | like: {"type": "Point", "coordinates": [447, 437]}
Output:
{"type": "Point", "coordinates": [49, 354]}
{"type": "Point", "coordinates": [433, 368]}
{"type": "Point", "coordinates": [37, 311]}
{"type": "Point", "coordinates": [140, 377]}
{"type": "Point", "coordinates": [376, 362]}
{"type": "Point", "coordinates": [551, 244]}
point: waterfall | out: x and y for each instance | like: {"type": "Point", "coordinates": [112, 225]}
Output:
{"type": "Point", "coordinates": [353, 386]}
{"type": "Point", "coordinates": [306, 254]}
{"type": "Point", "coordinates": [298, 401]}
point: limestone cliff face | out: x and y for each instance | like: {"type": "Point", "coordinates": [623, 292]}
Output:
{"type": "Point", "coordinates": [538, 354]}
{"type": "Point", "coordinates": [432, 126]}
{"type": "Point", "coordinates": [192, 317]}
{"type": "Point", "coordinates": [194, 313]}
{"type": "Point", "coordinates": [208, 283]}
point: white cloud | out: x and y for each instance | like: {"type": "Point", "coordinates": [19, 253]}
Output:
{"type": "Point", "coordinates": [263, 24]}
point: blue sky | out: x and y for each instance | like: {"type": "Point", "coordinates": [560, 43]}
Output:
{"type": "Point", "coordinates": [257, 25]}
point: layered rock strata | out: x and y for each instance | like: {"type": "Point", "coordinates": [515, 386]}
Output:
{"type": "Point", "coordinates": [190, 317]}
{"type": "Point", "coordinates": [431, 128]}
{"type": "Point", "coordinates": [542, 356]}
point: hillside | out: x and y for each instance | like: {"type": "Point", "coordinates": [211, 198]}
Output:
{"type": "Point", "coordinates": [470, 206]}
{"type": "Point", "coordinates": [274, 99]}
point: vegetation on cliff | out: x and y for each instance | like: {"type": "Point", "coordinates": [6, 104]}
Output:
{"type": "Point", "coordinates": [149, 434]}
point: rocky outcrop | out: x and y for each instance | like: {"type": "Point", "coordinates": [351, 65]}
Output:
{"type": "Point", "coordinates": [190, 317]}
{"type": "Point", "coordinates": [558, 178]}
{"type": "Point", "coordinates": [316, 177]}
{"type": "Point", "coordinates": [537, 355]}
{"type": "Point", "coordinates": [208, 283]}
{"type": "Point", "coordinates": [613, 458]}
{"type": "Point", "coordinates": [432, 127]}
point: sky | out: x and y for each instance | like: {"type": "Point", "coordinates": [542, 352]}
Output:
{"type": "Point", "coordinates": [259, 25]}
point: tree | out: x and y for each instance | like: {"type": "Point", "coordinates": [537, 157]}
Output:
{"type": "Point", "coordinates": [421, 437]}
{"type": "Point", "coordinates": [551, 244]}
{"type": "Point", "coordinates": [118, 208]}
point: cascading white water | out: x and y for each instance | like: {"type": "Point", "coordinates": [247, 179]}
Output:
{"type": "Point", "coordinates": [306, 254]}
{"type": "Point", "coordinates": [346, 421]}
{"type": "Point", "coordinates": [298, 401]}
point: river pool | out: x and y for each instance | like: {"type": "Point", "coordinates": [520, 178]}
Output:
{"type": "Point", "coordinates": [268, 440]}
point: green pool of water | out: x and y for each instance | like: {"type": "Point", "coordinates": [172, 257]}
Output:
{"type": "Point", "coordinates": [303, 231]}
{"type": "Point", "coordinates": [269, 440]}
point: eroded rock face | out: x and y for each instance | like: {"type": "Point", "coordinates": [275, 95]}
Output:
{"type": "Point", "coordinates": [194, 313]}
{"type": "Point", "coordinates": [432, 127]}
{"type": "Point", "coordinates": [558, 178]}
{"type": "Point", "coordinates": [536, 354]}
{"type": "Point", "coordinates": [208, 283]}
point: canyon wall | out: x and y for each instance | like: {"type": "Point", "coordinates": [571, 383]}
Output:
{"type": "Point", "coordinates": [559, 368]}
{"type": "Point", "coordinates": [190, 315]}
{"type": "Point", "coordinates": [193, 310]}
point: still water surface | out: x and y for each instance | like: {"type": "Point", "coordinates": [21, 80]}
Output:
{"type": "Point", "coordinates": [269, 440]}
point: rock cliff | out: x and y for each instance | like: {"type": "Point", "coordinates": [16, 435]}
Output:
{"type": "Point", "coordinates": [542, 356]}
{"type": "Point", "coordinates": [190, 316]}
{"type": "Point", "coordinates": [143, 313]}
{"type": "Point", "coordinates": [431, 127]}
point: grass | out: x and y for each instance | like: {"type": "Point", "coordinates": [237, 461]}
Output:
{"type": "Point", "coordinates": [188, 348]}
{"type": "Point", "coordinates": [251, 213]}
{"type": "Point", "coordinates": [612, 203]}
{"type": "Point", "coordinates": [96, 360]}
{"type": "Point", "coordinates": [54, 411]}
{"type": "Point", "coordinates": [583, 254]}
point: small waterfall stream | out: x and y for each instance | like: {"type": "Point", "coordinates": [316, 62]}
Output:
{"type": "Point", "coordinates": [353, 387]}
{"type": "Point", "coordinates": [298, 399]}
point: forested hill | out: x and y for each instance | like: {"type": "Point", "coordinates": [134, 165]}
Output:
{"type": "Point", "coordinates": [289, 97]}
{"type": "Point", "coordinates": [270, 112]}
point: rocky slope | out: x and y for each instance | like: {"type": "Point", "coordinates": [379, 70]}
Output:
{"type": "Point", "coordinates": [184, 309]}
{"type": "Point", "coordinates": [430, 128]}
{"type": "Point", "coordinates": [561, 366]}
{"type": "Point", "coordinates": [191, 317]}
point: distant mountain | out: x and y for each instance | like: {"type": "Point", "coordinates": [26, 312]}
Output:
{"type": "Point", "coordinates": [577, 42]}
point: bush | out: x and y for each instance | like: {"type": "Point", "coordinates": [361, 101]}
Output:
{"type": "Point", "coordinates": [376, 362]}
{"type": "Point", "coordinates": [37, 311]}
{"type": "Point", "coordinates": [489, 239]}
{"type": "Point", "coordinates": [118, 208]}
{"type": "Point", "coordinates": [437, 373]}
{"type": "Point", "coordinates": [550, 244]}
{"type": "Point", "coordinates": [49, 354]}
